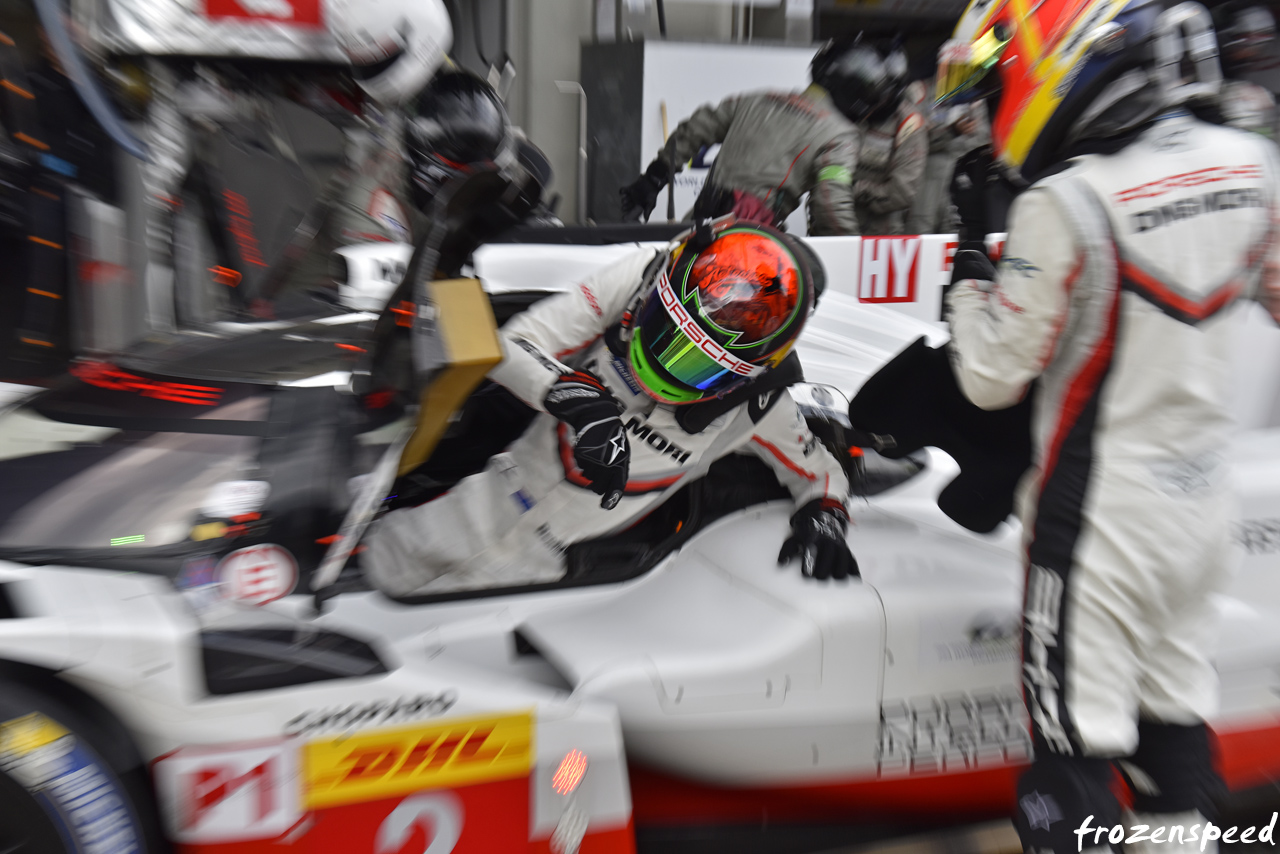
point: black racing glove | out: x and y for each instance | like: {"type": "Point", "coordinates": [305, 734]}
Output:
{"type": "Point", "coordinates": [641, 195]}
{"type": "Point", "coordinates": [969, 195]}
{"type": "Point", "coordinates": [600, 446]}
{"type": "Point", "coordinates": [817, 538]}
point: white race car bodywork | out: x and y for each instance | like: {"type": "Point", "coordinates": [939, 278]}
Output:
{"type": "Point", "coordinates": [717, 668]}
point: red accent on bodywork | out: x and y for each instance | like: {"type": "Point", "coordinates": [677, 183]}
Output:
{"type": "Point", "coordinates": [1246, 757]}
{"type": "Point", "coordinates": [107, 375]}
{"type": "Point", "coordinates": [659, 799]}
{"type": "Point", "coordinates": [404, 313]}
{"type": "Point", "coordinates": [1249, 756]}
{"type": "Point", "coordinates": [302, 13]}
{"type": "Point", "coordinates": [225, 276]}
{"type": "Point", "coordinates": [618, 840]}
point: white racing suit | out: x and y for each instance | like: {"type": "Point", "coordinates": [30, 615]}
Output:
{"type": "Point", "coordinates": [511, 523]}
{"type": "Point", "coordinates": [1114, 289]}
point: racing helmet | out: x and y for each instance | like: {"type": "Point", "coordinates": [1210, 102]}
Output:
{"type": "Point", "coordinates": [725, 307]}
{"type": "Point", "coordinates": [394, 46]}
{"type": "Point", "coordinates": [460, 123]}
{"type": "Point", "coordinates": [860, 81]}
{"type": "Point", "coordinates": [1065, 71]}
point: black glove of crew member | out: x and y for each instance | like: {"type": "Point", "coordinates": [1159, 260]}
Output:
{"type": "Point", "coordinates": [817, 538]}
{"type": "Point", "coordinates": [969, 195]}
{"type": "Point", "coordinates": [641, 195]}
{"type": "Point", "coordinates": [600, 446]}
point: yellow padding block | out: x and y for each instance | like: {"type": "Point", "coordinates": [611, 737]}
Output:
{"type": "Point", "coordinates": [465, 324]}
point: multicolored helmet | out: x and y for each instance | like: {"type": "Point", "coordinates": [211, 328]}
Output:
{"type": "Point", "coordinates": [1062, 71]}
{"type": "Point", "coordinates": [719, 316]}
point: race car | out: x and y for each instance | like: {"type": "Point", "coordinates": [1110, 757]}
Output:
{"type": "Point", "coordinates": [190, 657]}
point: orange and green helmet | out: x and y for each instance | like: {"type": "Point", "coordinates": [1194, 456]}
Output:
{"type": "Point", "coordinates": [1057, 71]}
{"type": "Point", "coordinates": [718, 317]}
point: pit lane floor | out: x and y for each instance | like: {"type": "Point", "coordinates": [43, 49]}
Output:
{"type": "Point", "coordinates": [989, 837]}
{"type": "Point", "coordinates": [995, 837]}
{"type": "Point", "coordinates": [999, 837]}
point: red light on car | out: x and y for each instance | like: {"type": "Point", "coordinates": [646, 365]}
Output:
{"type": "Point", "coordinates": [106, 375]}
{"type": "Point", "coordinates": [403, 313]}
{"type": "Point", "coordinates": [570, 773]}
{"type": "Point", "coordinates": [225, 276]}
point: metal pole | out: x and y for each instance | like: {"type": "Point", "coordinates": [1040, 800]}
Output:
{"type": "Point", "coordinates": [569, 87]}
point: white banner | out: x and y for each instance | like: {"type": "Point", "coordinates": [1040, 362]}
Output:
{"type": "Point", "coordinates": [906, 273]}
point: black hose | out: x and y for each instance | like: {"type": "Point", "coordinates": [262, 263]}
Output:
{"type": "Point", "coordinates": [662, 18]}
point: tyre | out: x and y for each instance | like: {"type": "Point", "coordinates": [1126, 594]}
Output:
{"type": "Point", "coordinates": [58, 795]}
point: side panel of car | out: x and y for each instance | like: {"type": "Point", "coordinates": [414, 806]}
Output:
{"type": "Point", "coordinates": [421, 751]}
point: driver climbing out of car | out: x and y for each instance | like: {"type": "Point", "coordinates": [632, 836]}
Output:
{"type": "Point", "coordinates": [1142, 229]}
{"type": "Point", "coordinates": [644, 375]}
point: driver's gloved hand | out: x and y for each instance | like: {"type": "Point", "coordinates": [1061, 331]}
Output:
{"type": "Point", "coordinates": [641, 195]}
{"type": "Point", "coordinates": [817, 538]}
{"type": "Point", "coordinates": [969, 195]}
{"type": "Point", "coordinates": [600, 446]}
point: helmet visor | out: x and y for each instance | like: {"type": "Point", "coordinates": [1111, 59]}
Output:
{"type": "Point", "coordinates": [674, 359]}
{"type": "Point", "coordinates": [964, 68]}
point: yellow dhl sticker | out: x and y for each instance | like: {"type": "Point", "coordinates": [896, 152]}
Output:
{"type": "Point", "coordinates": [392, 762]}
{"type": "Point", "coordinates": [21, 736]}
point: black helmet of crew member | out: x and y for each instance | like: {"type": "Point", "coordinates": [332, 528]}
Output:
{"type": "Point", "coordinates": [460, 126]}
{"type": "Point", "coordinates": [861, 82]}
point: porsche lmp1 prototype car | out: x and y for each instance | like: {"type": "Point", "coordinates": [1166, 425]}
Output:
{"type": "Point", "coordinates": [164, 677]}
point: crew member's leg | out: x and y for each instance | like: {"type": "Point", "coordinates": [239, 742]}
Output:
{"type": "Point", "coordinates": [1080, 665]}
{"type": "Point", "coordinates": [1172, 774]}
{"type": "Point", "coordinates": [1078, 669]}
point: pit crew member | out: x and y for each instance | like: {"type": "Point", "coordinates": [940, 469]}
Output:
{"type": "Point", "coordinates": [644, 375]}
{"type": "Point", "coordinates": [777, 146]}
{"type": "Point", "coordinates": [1113, 290]}
{"type": "Point", "coordinates": [893, 150]}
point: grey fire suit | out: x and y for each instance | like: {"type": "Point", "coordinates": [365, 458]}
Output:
{"type": "Point", "coordinates": [511, 523]}
{"type": "Point", "coordinates": [1114, 289]}
{"type": "Point", "coordinates": [778, 146]}
{"type": "Point", "coordinates": [891, 159]}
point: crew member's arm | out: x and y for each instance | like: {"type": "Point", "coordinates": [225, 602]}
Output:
{"type": "Point", "coordinates": [906, 170]}
{"type": "Point", "coordinates": [707, 125]}
{"type": "Point", "coordinates": [831, 210]}
{"type": "Point", "coordinates": [535, 341]}
{"type": "Point", "coordinates": [1005, 325]}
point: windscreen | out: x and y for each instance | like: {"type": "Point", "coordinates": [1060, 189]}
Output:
{"type": "Point", "coordinates": [89, 467]}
